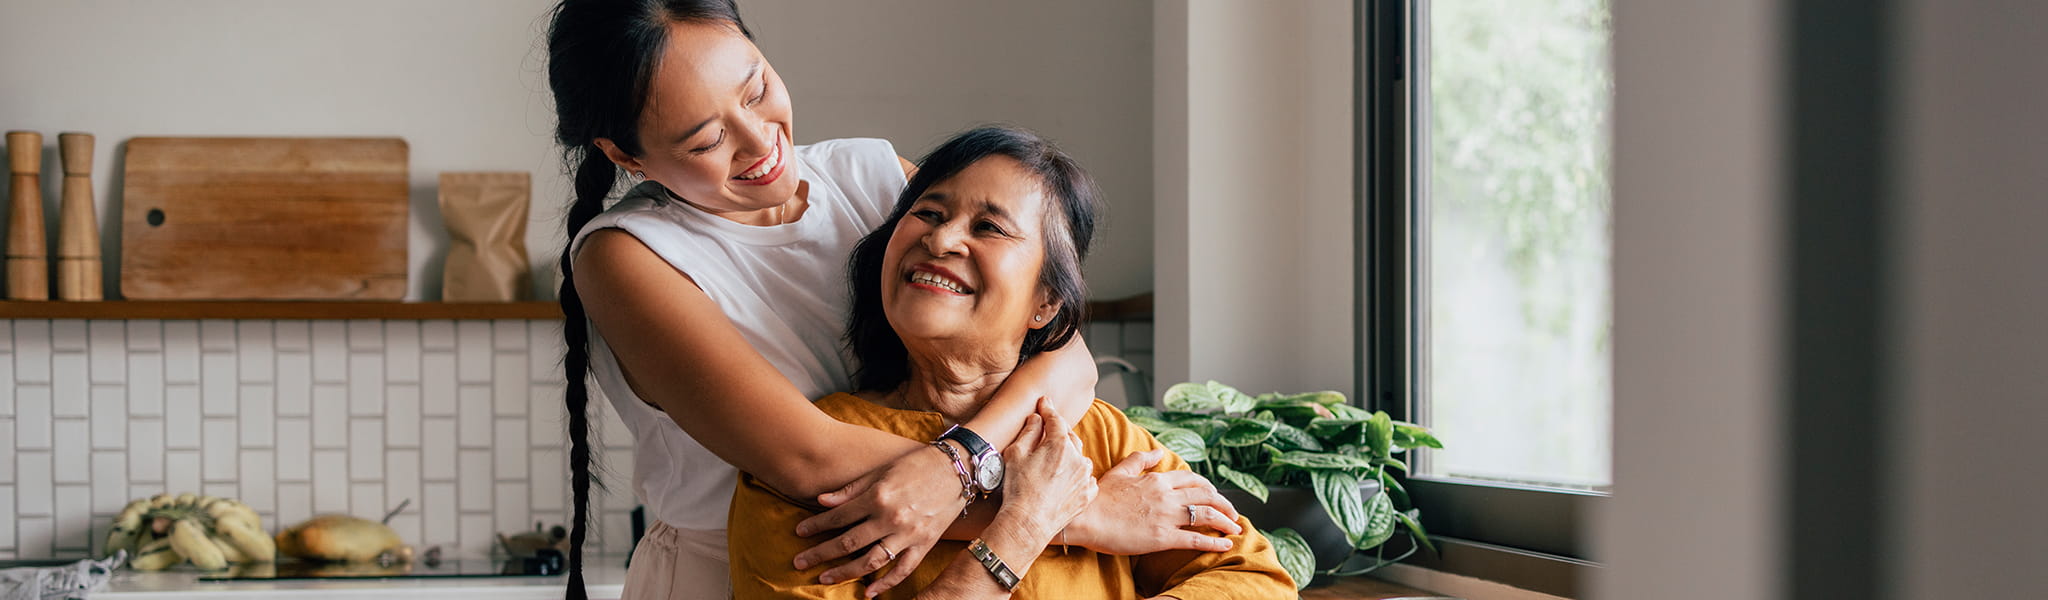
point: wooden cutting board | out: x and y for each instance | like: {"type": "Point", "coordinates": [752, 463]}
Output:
{"type": "Point", "coordinates": [264, 219]}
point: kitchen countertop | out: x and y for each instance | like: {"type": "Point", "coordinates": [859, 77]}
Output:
{"type": "Point", "coordinates": [605, 576]}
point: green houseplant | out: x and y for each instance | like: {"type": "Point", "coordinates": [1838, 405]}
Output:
{"type": "Point", "coordinates": [1313, 441]}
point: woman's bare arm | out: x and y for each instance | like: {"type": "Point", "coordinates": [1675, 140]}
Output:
{"type": "Point", "coordinates": [683, 355]}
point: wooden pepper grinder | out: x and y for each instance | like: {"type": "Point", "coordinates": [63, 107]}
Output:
{"type": "Point", "coordinates": [28, 266]}
{"type": "Point", "coordinates": [78, 232]}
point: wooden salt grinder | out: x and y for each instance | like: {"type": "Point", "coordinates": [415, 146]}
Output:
{"type": "Point", "coordinates": [28, 265]}
{"type": "Point", "coordinates": [78, 232]}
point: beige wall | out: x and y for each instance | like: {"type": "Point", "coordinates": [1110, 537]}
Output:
{"type": "Point", "coordinates": [463, 82]}
{"type": "Point", "coordinates": [1972, 381]}
{"type": "Point", "coordinates": [916, 71]}
{"type": "Point", "coordinates": [1697, 298]}
{"type": "Point", "coordinates": [1253, 107]}
{"type": "Point", "coordinates": [460, 80]}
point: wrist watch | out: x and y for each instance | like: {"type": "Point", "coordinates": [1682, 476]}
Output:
{"type": "Point", "coordinates": [988, 464]}
{"type": "Point", "coordinates": [989, 560]}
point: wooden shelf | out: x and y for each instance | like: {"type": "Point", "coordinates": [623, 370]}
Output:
{"type": "Point", "coordinates": [309, 310]}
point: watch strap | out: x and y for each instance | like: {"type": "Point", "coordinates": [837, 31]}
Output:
{"type": "Point", "coordinates": [979, 549]}
{"type": "Point", "coordinates": [968, 439]}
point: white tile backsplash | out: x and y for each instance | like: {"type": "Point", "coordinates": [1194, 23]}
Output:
{"type": "Point", "coordinates": [67, 335]}
{"type": "Point", "coordinates": [294, 384]}
{"type": "Point", "coordinates": [402, 351]}
{"type": "Point", "coordinates": [366, 450]}
{"type": "Point", "coordinates": [32, 351]}
{"type": "Point", "coordinates": [365, 384]}
{"type": "Point", "coordinates": [217, 335]}
{"type": "Point", "coordinates": [474, 418]}
{"type": "Point", "coordinates": [509, 384]}
{"type": "Point", "coordinates": [217, 384]}
{"type": "Point", "coordinates": [253, 340]}
{"type": "Point", "coordinates": [71, 450]}
{"type": "Point", "coordinates": [145, 383]}
{"type": "Point", "coordinates": [68, 383]}
{"type": "Point", "coordinates": [145, 334]}
{"type": "Point", "coordinates": [7, 508]}
{"type": "Point", "coordinates": [330, 415]}
{"type": "Point", "coordinates": [366, 336]}
{"type": "Point", "coordinates": [32, 498]}
{"type": "Point", "coordinates": [109, 481]}
{"type": "Point", "coordinates": [258, 415]}
{"type": "Point", "coordinates": [219, 456]}
{"type": "Point", "coordinates": [109, 417]}
{"type": "Point", "coordinates": [473, 352]}
{"type": "Point", "coordinates": [109, 343]}
{"type": "Point", "coordinates": [402, 415]}
{"type": "Point", "coordinates": [330, 352]}
{"type": "Point", "coordinates": [181, 351]}
{"type": "Point", "coordinates": [181, 417]}
{"type": "Point", "coordinates": [296, 418]}
{"type": "Point", "coordinates": [145, 450]}
{"type": "Point", "coordinates": [474, 477]}
{"type": "Point", "coordinates": [32, 416]}
{"type": "Point", "coordinates": [74, 517]}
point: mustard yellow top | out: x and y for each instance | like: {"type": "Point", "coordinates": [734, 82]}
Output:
{"type": "Point", "coordinates": [763, 542]}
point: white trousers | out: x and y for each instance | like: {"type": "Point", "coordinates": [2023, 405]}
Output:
{"type": "Point", "coordinates": [679, 564]}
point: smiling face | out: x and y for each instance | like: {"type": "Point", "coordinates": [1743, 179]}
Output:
{"type": "Point", "coordinates": [716, 128]}
{"type": "Point", "coordinates": [962, 267]}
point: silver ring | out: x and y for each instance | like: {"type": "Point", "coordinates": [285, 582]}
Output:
{"type": "Point", "coordinates": [1191, 515]}
{"type": "Point", "coordinates": [885, 551]}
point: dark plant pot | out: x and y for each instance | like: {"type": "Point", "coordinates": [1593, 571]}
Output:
{"type": "Point", "coordinates": [1297, 509]}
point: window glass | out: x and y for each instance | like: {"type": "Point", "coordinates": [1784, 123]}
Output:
{"type": "Point", "coordinates": [1513, 249]}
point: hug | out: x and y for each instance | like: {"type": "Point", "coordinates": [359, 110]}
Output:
{"type": "Point", "coordinates": [921, 424]}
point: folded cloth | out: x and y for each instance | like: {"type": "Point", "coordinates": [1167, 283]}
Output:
{"type": "Point", "coordinates": [68, 582]}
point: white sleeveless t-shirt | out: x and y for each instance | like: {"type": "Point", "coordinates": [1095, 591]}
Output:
{"type": "Point", "coordinates": [784, 287]}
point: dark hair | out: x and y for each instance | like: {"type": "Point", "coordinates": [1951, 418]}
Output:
{"type": "Point", "coordinates": [884, 364]}
{"type": "Point", "coordinates": [601, 60]}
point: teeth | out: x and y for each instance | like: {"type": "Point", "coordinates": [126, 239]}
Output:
{"type": "Point", "coordinates": [935, 280]}
{"type": "Point", "coordinates": [774, 160]}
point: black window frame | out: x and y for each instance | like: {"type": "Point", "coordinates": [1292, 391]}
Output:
{"type": "Point", "coordinates": [1525, 536]}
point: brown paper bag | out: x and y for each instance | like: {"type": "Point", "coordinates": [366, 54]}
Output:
{"type": "Point", "coordinates": [486, 217]}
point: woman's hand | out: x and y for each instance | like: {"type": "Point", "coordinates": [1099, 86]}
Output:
{"type": "Point", "coordinates": [1140, 512]}
{"type": "Point", "coordinates": [905, 506]}
{"type": "Point", "coordinates": [1047, 479]}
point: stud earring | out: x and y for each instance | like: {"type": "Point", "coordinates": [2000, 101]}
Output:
{"type": "Point", "coordinates": [640, 174]}
{"type": "Point", "coordinates": [1038, 318]}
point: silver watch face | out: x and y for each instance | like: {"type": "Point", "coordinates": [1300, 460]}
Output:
{"type": "Point", "coordinates": [988, 472]}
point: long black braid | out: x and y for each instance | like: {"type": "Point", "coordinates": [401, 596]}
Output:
{"type": "Point", "coordinates": [601, 59]}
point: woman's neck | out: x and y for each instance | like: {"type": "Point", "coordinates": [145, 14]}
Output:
{"type": "Point", "coordinates": [790, 211]}
{"type": "Point", "coordinates": [954, 388]}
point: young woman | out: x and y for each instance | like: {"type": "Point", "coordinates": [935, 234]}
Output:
{"type": "Point", "coordinates": [707, 304]}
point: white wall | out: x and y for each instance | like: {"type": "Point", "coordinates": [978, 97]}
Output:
{"type": "Point", "coordinates": [463, 81]}
{"type": "Point", "coordinates": [460, 80]}
{"type": "Point", "coordinates": [916, 71]}
{"type": "Point", "coordinates": [1254, 127]}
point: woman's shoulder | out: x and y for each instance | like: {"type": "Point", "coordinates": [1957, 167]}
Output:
{"type": "Point", "coordinates": [866, 171]}
{"type": "Point", "coordinates": [850, 151]}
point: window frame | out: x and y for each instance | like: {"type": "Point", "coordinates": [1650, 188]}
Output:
{"type": "Point", "coordinates": [1529, 537]}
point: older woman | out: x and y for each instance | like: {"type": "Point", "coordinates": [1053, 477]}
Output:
{"type": "Point", "coordinates": [978, 268]}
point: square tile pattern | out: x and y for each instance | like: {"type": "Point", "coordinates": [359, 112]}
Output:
{"type": "Point", "coordinates": [295, 418]}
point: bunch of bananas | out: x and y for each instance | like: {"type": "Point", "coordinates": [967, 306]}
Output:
{"type": "Point", "coordinates": [164, 530]}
